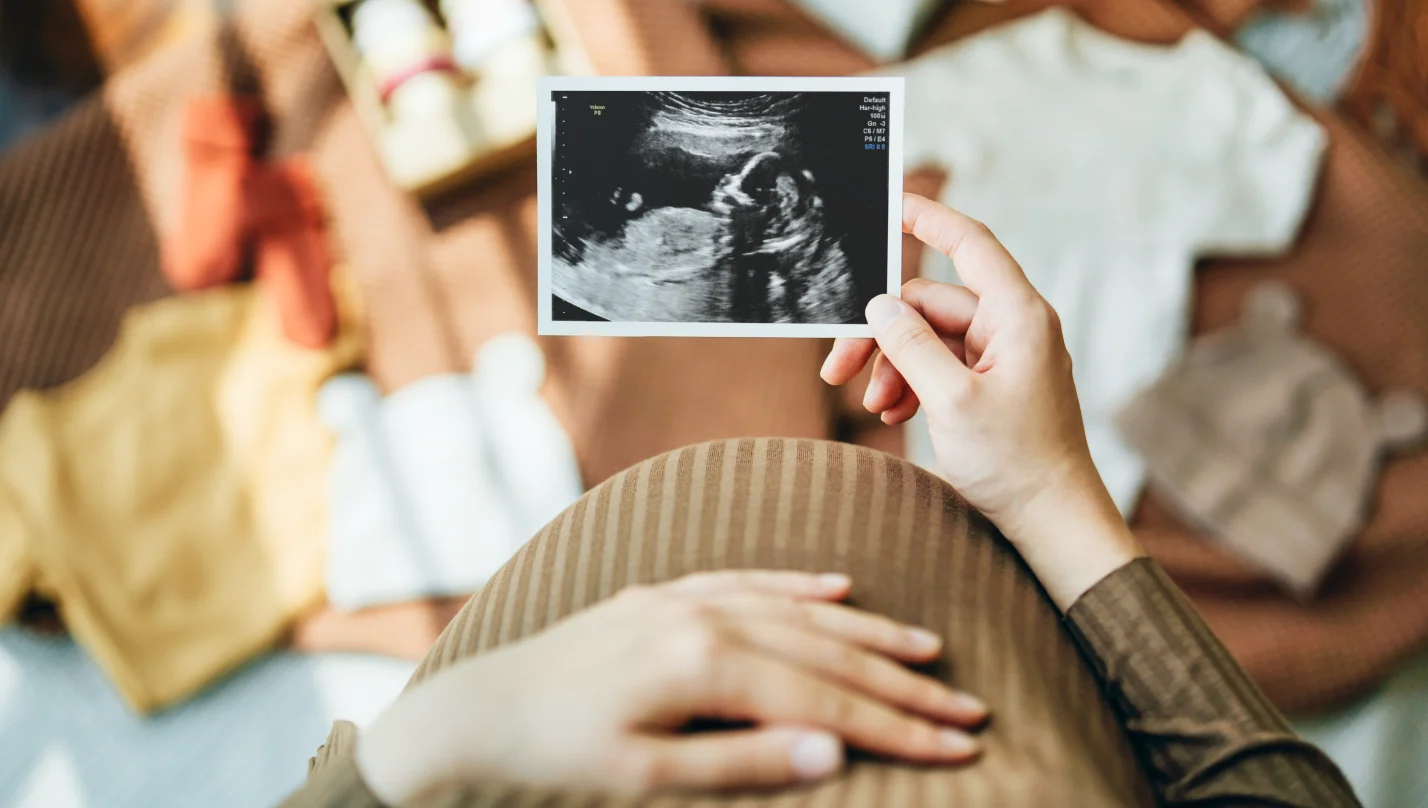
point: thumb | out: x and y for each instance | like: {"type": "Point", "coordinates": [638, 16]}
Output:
{"type": "Point", "coordinates": [763, 757]}
{"type": "Point", "coordinates": [914, 349]}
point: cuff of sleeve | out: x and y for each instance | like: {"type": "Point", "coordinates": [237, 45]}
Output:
{"type": "Point", "coordinates": [1136, 611]}
{"type": "Point", "coordinates": [1205, 732]}
{"type": "Point", "coordinates": [1159, 660]}
{"type": "Point", "coordinates": [333, 780]}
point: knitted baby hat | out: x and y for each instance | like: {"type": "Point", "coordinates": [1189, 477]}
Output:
{"type": "Point", "coordinates": [1266, 440]}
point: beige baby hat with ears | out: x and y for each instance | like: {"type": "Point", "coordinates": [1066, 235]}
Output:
{"type": "Point", "coordinates": [1265, 439]}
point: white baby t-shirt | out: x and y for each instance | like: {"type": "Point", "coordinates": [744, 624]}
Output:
{"type": "Point", "coordinates": [1107, 167]}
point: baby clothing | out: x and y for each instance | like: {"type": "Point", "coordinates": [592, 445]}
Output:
{"type": "Point", "coordinates": [433, 488]}
{"type": "Point", "coordinates": [1266, 439]}
{"type": "Point", "coordinates": [292, 259]}
{"type": "Point", "coordinates": [206, 249]}
{"type": "Point", "coordinates": [235, 206]}
{"type": "Point", "coordinates": [1107, 167]}
{"type": "Point", "coordinates": [170, 501]}
{"type": "Point", "coordinates": [884, 30]}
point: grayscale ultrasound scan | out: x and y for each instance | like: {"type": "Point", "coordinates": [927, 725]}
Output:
{"type": "Point", "coordinates": [760, 207]}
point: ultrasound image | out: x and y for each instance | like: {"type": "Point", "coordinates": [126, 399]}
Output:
{"type": "Point", "coordinates": [705, 207]}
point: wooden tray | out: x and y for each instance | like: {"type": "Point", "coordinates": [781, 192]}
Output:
{"type": "Point", "coordinates": [500, 130]}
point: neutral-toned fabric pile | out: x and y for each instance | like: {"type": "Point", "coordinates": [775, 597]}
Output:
{"type": "Point", "coordinates": [81, 204]}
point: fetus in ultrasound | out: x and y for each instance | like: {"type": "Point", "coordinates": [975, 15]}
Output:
{"type": "Point", "coordinates": [783, 265]}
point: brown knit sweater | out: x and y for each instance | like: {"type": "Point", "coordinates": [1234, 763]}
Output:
{"type": "Point", "coordinates": [1137, 704]}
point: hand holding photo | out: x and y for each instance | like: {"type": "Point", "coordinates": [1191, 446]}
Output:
{"type": "Point", "coordinates": [754, 207]}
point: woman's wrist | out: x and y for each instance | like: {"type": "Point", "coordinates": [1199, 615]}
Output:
{"type": "Point", "coordinates": [1071, 535]}
{"type": "Point", "coordinates": [404, 752]}
{"type": "Point", "coordinates": [391, 764]}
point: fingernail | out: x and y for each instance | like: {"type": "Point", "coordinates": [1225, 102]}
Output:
{"type": "Point", "coordinates": [816, 755]}
{"type": "Point", "coordinates": [834, 580]}
{"type": "Point", "coordinates": [923, 640]}
{"type": "Point", "coordinates": [882, 310]}
{"type": "Point", "coordinates": [971, 705]}
{"type": "Point", "coordinates": [958, 743]}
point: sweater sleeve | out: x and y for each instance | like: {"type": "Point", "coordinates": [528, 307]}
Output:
{"type": "Point", "coordinates": [332, 777]}
{"type": "Point", "coordinates": [1204, 732]}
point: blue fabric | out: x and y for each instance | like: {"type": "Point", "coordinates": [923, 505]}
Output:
{"type": "Point", "coordinates": [68, 741]}
{"type": "Point", "coordinates": [1313, 52]}
{"type": "Point", "coordinates": [1381, 743]}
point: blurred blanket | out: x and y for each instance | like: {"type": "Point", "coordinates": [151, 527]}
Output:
{"type": "Point", "coordinates": [78, 207]}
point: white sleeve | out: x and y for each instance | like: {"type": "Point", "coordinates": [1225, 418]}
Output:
{"type": "Point", "coordinates": [1265, 185]}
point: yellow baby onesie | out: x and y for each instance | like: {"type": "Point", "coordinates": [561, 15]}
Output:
{"type": "Point", "coordinates": [171, 501]}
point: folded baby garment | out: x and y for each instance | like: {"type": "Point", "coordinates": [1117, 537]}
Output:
{"type": "Point", "coordinates": [437, 485]}
{"type": "Point", "coordinates": [170, 500]}
{"type": "Point", "coordinates": [1106, 167]}
{"type": "Point", "coordinates": [1263, 437]}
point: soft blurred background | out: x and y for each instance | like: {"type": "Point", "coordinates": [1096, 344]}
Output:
{"type": "Point", "coordinates": [271, 401]}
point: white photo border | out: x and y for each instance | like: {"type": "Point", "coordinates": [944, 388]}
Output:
{"type": "Point", "coordinates": [548, 326]}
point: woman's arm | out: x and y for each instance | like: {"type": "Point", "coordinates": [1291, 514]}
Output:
{"type": "Point", "coordinates": [988, 364]}
{"type": "Point", "coordinates": [1203, 731]}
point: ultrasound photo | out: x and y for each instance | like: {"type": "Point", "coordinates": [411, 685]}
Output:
{"type": "Point", "coordinates": [758, 207]}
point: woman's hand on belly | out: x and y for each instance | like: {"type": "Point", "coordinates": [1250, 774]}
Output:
{"type": "Point", "coordinates": [600, 700]}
